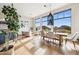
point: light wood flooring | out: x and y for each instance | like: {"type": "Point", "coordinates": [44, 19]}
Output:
{"type": "Point", "coordinates": [35, 46]}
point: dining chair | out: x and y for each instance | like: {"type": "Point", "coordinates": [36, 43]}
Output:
{"type": "Point", "coordinates": [72, 37]}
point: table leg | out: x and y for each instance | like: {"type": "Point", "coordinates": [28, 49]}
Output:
{"type": "Point", "coordinates": [43, 37]}
{"type": "Point", "coordinates": [60, 40]}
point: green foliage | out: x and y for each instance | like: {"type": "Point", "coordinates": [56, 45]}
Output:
{"type": "Point", "coordinates": [11, 17]}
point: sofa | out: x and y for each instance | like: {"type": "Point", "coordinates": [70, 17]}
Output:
{"type": "Point", "coordinates": [8, 35]}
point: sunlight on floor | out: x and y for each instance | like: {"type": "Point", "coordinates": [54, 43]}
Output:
{"type": "Point", "coordinates": [35, 47]}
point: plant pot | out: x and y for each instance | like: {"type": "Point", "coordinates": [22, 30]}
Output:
{"type": "Point", "coordinates": [8, 51]}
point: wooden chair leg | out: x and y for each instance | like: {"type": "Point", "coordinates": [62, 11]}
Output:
{"type": "Point", "coordinates": [43, 38]}
{"type": "Point", "coordinates": [74, 44]}
{"type": "Point", "coordinates": [75, 47]}
{"type": "Point", "coordinates": [65, 41]}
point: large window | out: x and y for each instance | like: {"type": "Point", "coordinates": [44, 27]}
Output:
{"type": "Point", "coordinates": [62, 21]}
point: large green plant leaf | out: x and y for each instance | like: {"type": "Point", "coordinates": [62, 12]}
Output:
{"type": "Point", "coordinates": [12, 17]}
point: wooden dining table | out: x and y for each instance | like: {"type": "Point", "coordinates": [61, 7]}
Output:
{"type": "Point", "coordinates": [55, 36]}
{"type": "Point", "coordinates": [61, 37]}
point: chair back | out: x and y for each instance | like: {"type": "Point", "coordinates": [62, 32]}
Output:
{"type": "Point", "coordinates": [43, 33]}
{"type": "Point", "coordinates": [71, 36]}
{"type": "Point", "coordinates": [75, 36]}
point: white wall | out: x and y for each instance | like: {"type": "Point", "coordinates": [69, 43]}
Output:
{"type": "Point", "coordinates": [75, 18]}
{"type": "Point", "coordinates": [3, 26]}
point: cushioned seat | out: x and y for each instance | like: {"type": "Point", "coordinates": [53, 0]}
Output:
{"type": "Point", "coordinates": [2, 39]}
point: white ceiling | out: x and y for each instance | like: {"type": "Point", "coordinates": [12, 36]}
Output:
{"type": "Point", "coordinates": [34, 9]}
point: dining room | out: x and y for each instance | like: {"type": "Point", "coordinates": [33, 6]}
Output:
{"type": "Point", "coordinates": [43, 29]}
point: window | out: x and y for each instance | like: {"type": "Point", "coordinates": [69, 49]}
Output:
{"type": "Point", "coordinates": [40, 22]}
{"type": "Point", "coordinates": [24, 24]}
{"type": "Point", "coordinates": [37, 22]}
{"type": "Point", "coordinates": [44, 21]}
{"type": "Point", "coordinates": [62, 19]}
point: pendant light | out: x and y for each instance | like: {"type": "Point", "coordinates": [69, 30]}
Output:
{"type": "Point", "coordinates": [51, 19]}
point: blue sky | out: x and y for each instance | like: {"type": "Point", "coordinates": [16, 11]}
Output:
{"type": "Point", "coordinates": [61, 22]}
{"type": "Point", "coordinates": [58, 23]}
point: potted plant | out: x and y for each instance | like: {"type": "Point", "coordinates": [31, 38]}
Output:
{"type": "Point", "coordinates": [11, 17]}
{"type": "Point", "coordinates": [12, 20]}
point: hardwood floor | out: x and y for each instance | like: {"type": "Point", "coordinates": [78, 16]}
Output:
{"type": "Point", "coordinates": [34, 46]}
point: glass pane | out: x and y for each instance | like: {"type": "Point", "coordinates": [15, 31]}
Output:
{"type": "Point", "coordinates": [67, 13]}
{"type": "Point", "coordinates": [37, 20]}
{"type": "Point", "coordinates": [57, 23]}
{"type": "Point", "coordinates": [60, 22]}
{"type": "Point", "coordinates": [37, 24]}
{"type": "Point", "coordinates": [55, 16]}
{"type": "Point", "coordinates": [45, 23]}
{"type": "Point", "coordinates": [67, 21]}
{"type": "Point", "coordinates": [60, 15]}
{"type": "Point", "coordinates": [44, 19]}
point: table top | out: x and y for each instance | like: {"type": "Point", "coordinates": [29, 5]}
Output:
{"type": "Point", "coordinates": [51, 35]}
{"type": "Point", "coordinates": [55, 35]}
{"type": "Point", "coordinates": [64, 34]}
